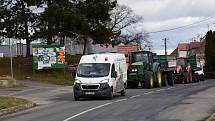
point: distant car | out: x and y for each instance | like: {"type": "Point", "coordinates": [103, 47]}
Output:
{"type": "Point", "coordinates": [201, 74]}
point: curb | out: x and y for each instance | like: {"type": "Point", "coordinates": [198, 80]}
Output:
{"type": "Point", "coordinates": [15, 109]}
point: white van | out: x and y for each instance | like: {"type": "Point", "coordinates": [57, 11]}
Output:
{"type": "Point", "coordinates": [101, 75]}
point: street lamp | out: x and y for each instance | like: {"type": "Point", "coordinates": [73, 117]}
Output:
{"type": "Point", "coordinates": [11, 59]}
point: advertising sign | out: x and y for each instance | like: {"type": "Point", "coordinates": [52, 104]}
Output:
{"type": "Point", "coordinates": [48, 56]}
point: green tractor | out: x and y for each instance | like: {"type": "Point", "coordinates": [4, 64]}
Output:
{"type": "Point", "coordinates": [185, 71]}
{"type": "Point", "coordinates": [143, 70]}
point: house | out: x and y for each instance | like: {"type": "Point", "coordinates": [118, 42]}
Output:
{"type": "Point", "coordinates": [126, 49]}
{"type": "Point", "coordinates": [183, 49]}
{"type": "Point", "coordinates": [186, 50]}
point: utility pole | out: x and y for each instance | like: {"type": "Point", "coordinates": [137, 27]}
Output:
{"type": "Point", "coordinates": [165, 39]}
{"type": "Point", "coordinates": [11, 58]}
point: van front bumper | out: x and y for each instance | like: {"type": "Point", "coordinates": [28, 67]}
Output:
{"type": "Point", "coordinates": [103, 90]}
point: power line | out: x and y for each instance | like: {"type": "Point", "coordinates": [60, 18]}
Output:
{"type": "Point", "coordinates": [181, 27]}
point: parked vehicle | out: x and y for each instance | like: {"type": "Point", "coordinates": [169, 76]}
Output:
{"type": "Point", "coordinates": [187, 70]}
{"type": "Point", "coordinates": [101, 75]}
{"type": "Point", "coordinates": [145, 70]}
{"type": "Point", "coordinates": [200, 72]}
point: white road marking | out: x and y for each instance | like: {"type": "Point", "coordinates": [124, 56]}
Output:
{"type": "Point", "coordinates": [120, 100]}
{"type": "Point", "coordinates": [171, 88]}
{"type": "Point", "coordinates": [86, 111]}
{"type": "Point", "coordinates": [146, 93]}
{"type": "Point", "coordinates": [134, 96]}
{"type": "Point", "coordinates": [159, 90]}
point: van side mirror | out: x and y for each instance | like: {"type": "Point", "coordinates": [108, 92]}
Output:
{"type": "Point", "coordinates": [114, 74]}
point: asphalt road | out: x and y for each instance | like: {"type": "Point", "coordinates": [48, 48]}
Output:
{"type": "Point", "coordinates": [189, 102]}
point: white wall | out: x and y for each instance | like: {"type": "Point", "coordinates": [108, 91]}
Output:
{"type": "Point", "coordinates": [182, 53]}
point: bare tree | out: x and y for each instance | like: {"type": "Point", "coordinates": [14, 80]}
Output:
{"type": "Point", "coordinates": [122, 17]}
{"type": "Point", "coordinates": [138, 36]}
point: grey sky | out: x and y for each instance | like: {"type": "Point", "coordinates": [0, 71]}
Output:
{"type": "Point", "coordinates": [165, 14]}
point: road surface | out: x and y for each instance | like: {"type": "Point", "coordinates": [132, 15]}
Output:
{"type": "Point", "coordinates": [187, 102]}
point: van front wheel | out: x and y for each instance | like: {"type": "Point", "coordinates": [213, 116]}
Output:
{"type": "Point", "coordinates": [76, 98]}
{"type": "Point", "coordinates": [110, 96]}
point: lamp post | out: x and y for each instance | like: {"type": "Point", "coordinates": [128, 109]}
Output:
{"type": "Point", "coordinates": [11, 59]}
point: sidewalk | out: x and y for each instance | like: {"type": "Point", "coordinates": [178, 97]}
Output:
{"type": "Point", "coordinates": [197, 107]}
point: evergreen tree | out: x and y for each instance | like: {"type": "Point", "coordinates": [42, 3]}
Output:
{"type": "Point", "coordinates": [17, 19]}
{"type": "Point", "coordinates": [210, 51]}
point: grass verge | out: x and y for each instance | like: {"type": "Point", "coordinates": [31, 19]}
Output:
{"type": "Point", "coordinates": [212, 118]}
{"type": "Point", "coordinates": [58, 77]}
{"type": "Point", "coordinates": [22, 68]}
{"type": "Point", "coordinates": [8, 102]}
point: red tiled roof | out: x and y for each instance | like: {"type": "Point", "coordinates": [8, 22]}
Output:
{"type": "Point", "coordinates": [194, 45]}
{"type": "Point", "coordinates": [127, 48]}
{"type": "Point", "coordinates": [174, 53]}
{"type": "Point", "coordinates": [183, 46]}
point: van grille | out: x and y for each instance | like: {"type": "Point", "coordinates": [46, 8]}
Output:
{"type": "Point", "coordinates": [88, 87]}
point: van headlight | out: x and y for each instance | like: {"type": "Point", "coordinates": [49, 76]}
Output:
{"type": "Point", "coordinates": [104, 81]}
{"type": "Point", "coordinates": [77, 81]}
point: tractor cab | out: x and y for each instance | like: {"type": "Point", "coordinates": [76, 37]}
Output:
{"type": "Point", "coordinates": [141, 56]}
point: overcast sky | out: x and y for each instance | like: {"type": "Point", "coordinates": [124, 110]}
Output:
{"type": "Point", "coordinates": [166, 14]}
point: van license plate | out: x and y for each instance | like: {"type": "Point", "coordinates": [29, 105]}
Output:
{"type": "Point", "coordinates": [89, 93]}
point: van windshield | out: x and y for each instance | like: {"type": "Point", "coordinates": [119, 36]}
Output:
{"type": "Point", "coordinates": [93, 70]}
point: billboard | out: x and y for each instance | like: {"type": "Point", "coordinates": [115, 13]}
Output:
{"type": "Point", "coordinates": [48, 56]}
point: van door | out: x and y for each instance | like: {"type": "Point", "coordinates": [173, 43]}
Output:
{"type": "Point", "coordinates": [114, 76]}
{"type": "Point", "coordinates": [120, 76]}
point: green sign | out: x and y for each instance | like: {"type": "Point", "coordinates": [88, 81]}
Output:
{"type": "Point", "coordinates": [48, 56]}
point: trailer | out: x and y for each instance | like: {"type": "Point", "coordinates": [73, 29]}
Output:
{"type": "Point", "coordinates": [168, 67]}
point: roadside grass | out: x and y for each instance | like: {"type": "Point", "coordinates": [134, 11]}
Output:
{"type": "Point", "coordinates": [7, 102]}
{"type": "Point", "coordinates": [212, 118]}
{"type": "Point", "coordinates": [53, 78]}
{"type": "Point", "coordinates": [22, 68]}
{"type": "Point", "coordinates": [46, 76]}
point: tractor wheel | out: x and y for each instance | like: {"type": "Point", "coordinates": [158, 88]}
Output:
{"type": "Point", "coordinates": [164, 80]}
{"type": "Point", "coordinates": [170, 79]}
{"type": "Point", "coordinates": [158, 78]}
{"type": "Point", "coordinates": [187, 77]}
{"type": "Point", "coordinates": [149, 81]}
